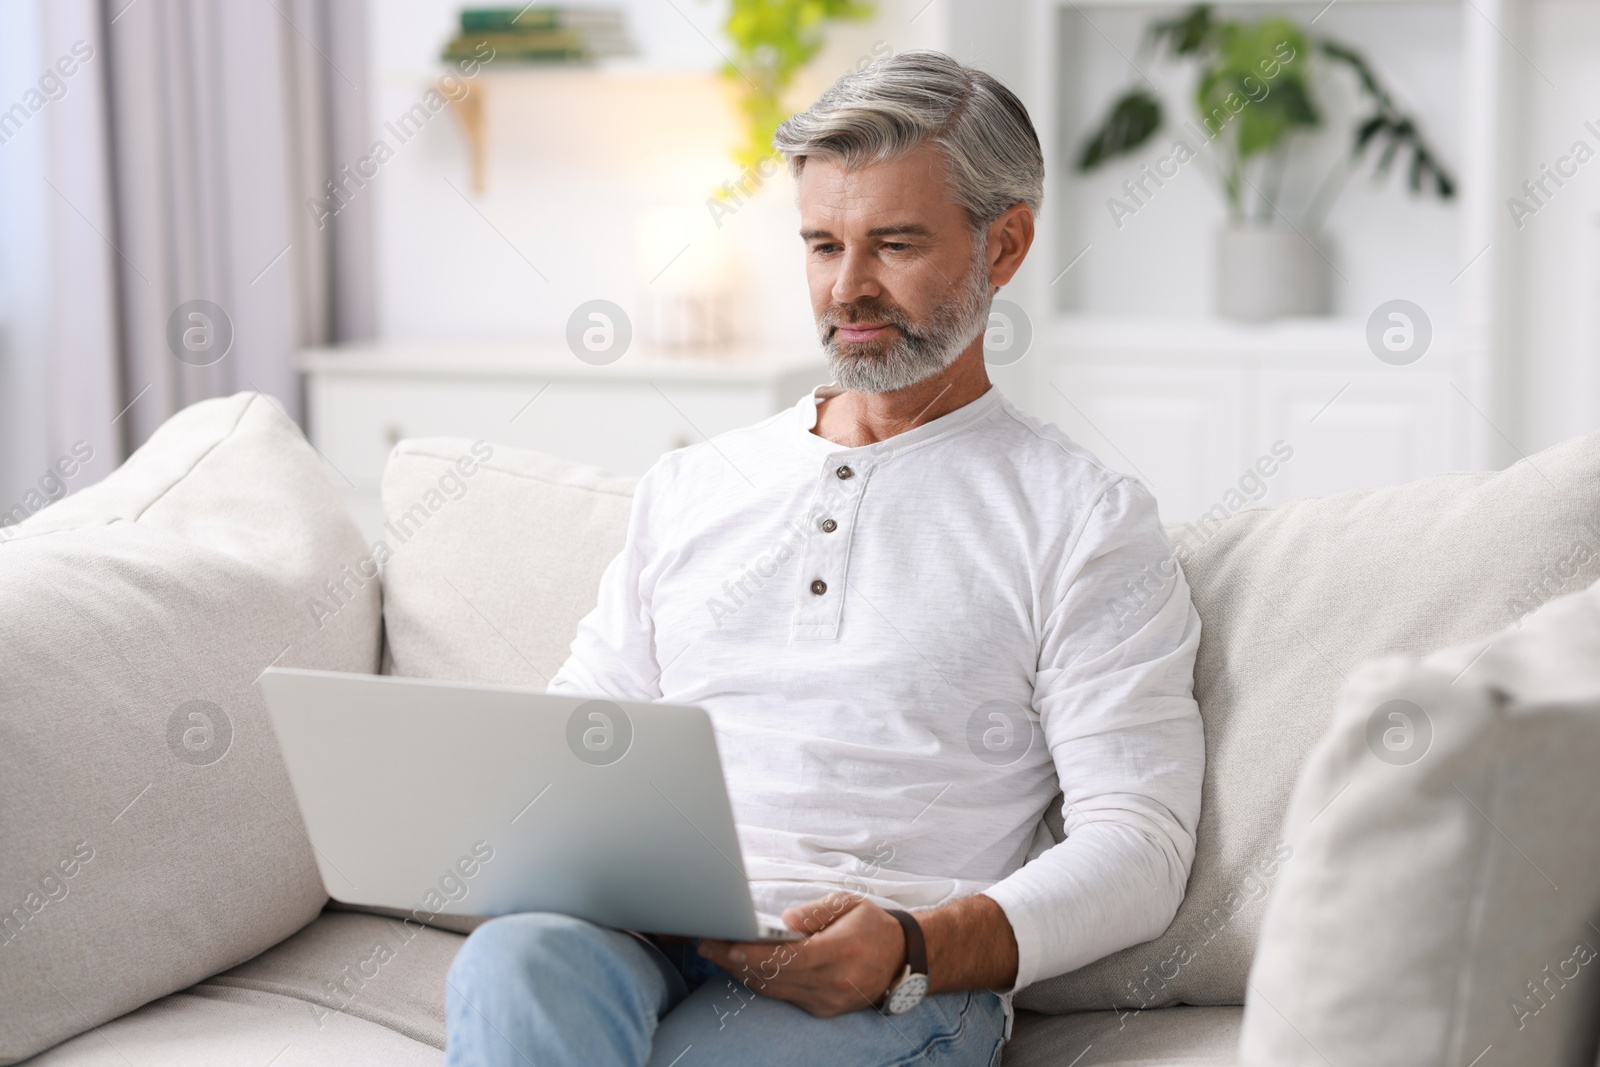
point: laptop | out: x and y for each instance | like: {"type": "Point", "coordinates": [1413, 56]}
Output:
{"type": "Point", "coordinates": [456, 799]}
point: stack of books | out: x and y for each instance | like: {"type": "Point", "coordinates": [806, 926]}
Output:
{"type": "Point", "coordinates": [540, 33]}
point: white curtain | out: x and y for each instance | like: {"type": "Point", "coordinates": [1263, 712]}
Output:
{"type": "Point", "coordinates": [59, 378]}
{"type": "Point", "coordinates": [152, 153]}
{"type": "Point", "coordinates": [225, 116]}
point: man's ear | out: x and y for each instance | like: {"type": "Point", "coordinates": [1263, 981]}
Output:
{"type": "Point", "coordinates": [1009, 238]}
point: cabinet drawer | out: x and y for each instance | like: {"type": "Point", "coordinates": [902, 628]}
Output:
{"type": "Point", "coordinates": [1361, 430]}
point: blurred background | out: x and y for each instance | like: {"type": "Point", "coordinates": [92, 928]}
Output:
{"type": "Point", "coordinates": [1286, 249]}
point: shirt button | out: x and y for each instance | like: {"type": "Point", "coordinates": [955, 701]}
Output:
{"type": "Point", "coordinates": [819, 587]}
{"type": "Point", "coordinates": [828, 526]}
{"type": "Point", "coordinates": [845, 472]}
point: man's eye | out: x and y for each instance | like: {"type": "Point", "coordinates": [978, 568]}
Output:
{"type": "Point", "coordinates": [824, 250]}
{"type": "Point", "coordinates": [896, 246]}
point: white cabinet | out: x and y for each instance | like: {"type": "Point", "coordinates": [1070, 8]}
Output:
{"type": "Point", "coordinates": [1192, 415]}
{"type": "Point", "coordinates": [1355, 430]}
{"type": "Point", "coordinates": [1175, 428]}
{"type": "Point", "coordinates": [622, 416]}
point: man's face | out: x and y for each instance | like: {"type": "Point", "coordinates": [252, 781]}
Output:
{"type": "Point", "coordinates": [899, 285]}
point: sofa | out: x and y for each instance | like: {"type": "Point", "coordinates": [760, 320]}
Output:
{"type": "Point", "coordinates": [1397, 860]}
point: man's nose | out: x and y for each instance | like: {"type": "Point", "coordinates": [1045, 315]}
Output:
{"type": "Point", "coordinates": [856, 279]}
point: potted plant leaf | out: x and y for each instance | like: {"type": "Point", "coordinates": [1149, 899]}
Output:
{"type": "Point", "coordinates": [1255, 107]}
{"type": "Point", "coordinates": [772, 40]}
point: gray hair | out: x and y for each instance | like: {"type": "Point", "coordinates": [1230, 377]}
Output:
{"type": "Point", "coordinates": [920, 97]}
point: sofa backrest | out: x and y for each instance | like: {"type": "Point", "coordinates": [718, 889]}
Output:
{"type": "Point", "coordinates": [150, 836]}
{"type": "Point", "coordinates": [1291, 599]}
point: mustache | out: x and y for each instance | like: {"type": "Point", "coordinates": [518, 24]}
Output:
{"type": "Point", "coordinates": [871, 309]}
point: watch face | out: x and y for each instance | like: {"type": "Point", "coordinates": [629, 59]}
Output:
{"type": "Point", "coordinates": [907, 994]}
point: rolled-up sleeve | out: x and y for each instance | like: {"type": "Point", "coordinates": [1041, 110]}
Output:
{"type": "Point", "coordinates": [1114, 696]}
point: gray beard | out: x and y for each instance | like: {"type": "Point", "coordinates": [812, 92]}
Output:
{"type": "Point", "coordinates": [919, 350]}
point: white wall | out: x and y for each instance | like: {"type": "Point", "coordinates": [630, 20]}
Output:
{"type": "Point", "coordinates": [1384, 242]}
{"type": "Point", "coordinates": [1555, 256]}
{"type": "Point", "coordinates": [576, 160]}
{"type": "Point", "coordinates": [57, 314]}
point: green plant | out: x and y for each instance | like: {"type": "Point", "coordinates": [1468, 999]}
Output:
{"type": "Point", "coordinates": [773, 39]}
{"type": "Point", "coordinates": [1252, 96]}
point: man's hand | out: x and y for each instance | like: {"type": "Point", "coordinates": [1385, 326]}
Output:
{"type": "Point", "coordinates": [857, 950]}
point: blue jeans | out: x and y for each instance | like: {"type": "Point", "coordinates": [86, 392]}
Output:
{"type": "Point", "coordinates": [542, 990]}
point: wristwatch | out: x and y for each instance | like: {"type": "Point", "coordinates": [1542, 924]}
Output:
{"type": "Point", "coordinates": [912, 986]}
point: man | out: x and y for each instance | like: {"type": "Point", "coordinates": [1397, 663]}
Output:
{"type": "Point", "coordinates": [914, 614]}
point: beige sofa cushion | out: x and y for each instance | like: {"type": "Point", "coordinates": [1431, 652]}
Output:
{"type": "Point", "coordinates": [1447, 875]}
{"type": "Point", "coordinates": [1166, 1037]}
{"type": "Point", "coordinates": [384, 970]}
{"type": "Point", "coordinates": [494, 554]}
{"type": "Point", "coordinates": [151, 838]}
{"type": "Point", "coordinates": [1291, 600]}
{"type": "Point", "coordinates": [351, 990]}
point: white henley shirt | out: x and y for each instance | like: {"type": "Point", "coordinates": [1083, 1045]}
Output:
{"type": "Point", "coordinates": [906, 650]}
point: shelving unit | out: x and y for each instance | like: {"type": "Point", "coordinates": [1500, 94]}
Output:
{"type": "Point", "coordinates": [1132, 362]}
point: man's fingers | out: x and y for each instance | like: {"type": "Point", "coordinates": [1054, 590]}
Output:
{"type": "Point", "coordinates": [827, 980]}
{"type": "Point", "coordinates": [818, 915]}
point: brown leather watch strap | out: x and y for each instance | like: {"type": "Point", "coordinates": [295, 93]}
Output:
{"type": "Point", "coordinates": [916, 947]}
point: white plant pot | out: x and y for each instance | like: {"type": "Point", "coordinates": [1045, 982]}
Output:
{"type": "Point", "coordinates": [1265, 273]}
